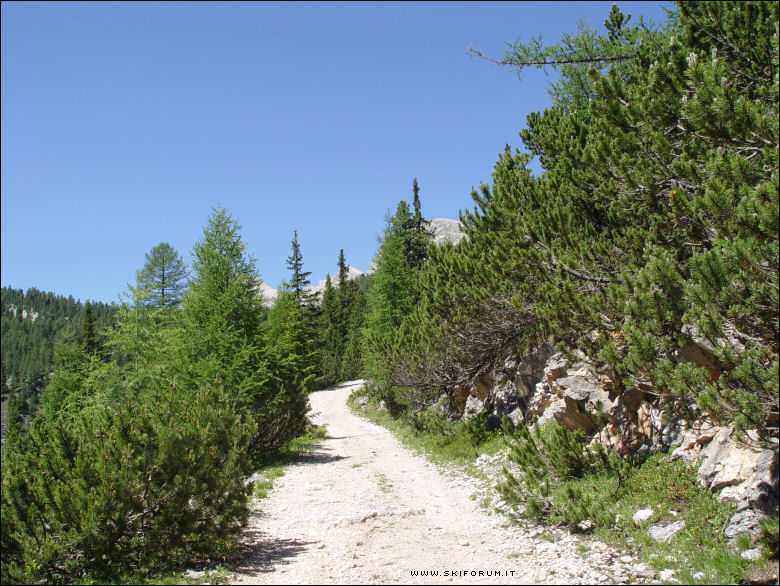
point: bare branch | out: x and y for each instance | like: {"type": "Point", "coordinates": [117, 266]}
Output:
{"type": "Point", "coordinates": [472, 52]}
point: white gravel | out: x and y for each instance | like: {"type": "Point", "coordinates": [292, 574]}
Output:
{"type": "Point", "coordinates": [362, 509]}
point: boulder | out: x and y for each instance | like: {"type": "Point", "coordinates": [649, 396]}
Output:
{"type": "Point", "coordinates": [473, 407]}
{"type": "Point", "coordinates": [699, 434]}
{"type": "Point", "coordinates": [743, 522]}
{"type": "Point", "coordinates": [506, 402]}
{"type": "Point", "coordinates": [642, 515]}
{"type": "Point", "coordinates": [633, 398]}
{"type": "Point", "coordinates": [482, 387]}
{"type": "Point", "coordinates": [555, 368]}
{"type": "Point", "coordinates": [458, 402]}
{"type": "Point", "coordinates": [751, 554]}
{"type": "Point", "coordinates": [540, 400]}
{"type": "Point", "coordinates": [725, 463]}
{"type": "Point", "coordinates": [624, 439]}
{"type": "Point", "coordinates": [554, 411]}
{"type": "Point", "coordinates": [516, 417]}
{"type": "Point", "coordinates": [574, 416]}
{"type": "Point", "coordinates": [584, 399]}
{"type": "Point", "coordinates": [665, 533]}
{"type": "Point", "coordinates": [534, 363]}
{"type": "Point", "coordinates": [699, 351]}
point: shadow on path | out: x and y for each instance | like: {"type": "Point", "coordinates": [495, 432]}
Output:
{"type": "Point", "coordinates": [259, 553]}
{"type": "Point", "coordinates": [319, 456]}
{"type": "Point", "coordinates": [352, 383]}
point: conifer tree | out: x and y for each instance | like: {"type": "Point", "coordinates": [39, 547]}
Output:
{"type": "Point", "coordinates": [655, 222]}
{"type": "Point", "coordinates": [137, 463]}
{"type": "Point", "coordinates": [88, 338]}
{"type": "Point", "coordinates": [299, 279]}
{"type": "Point", "coordinates": [418, 219]}
{"type": "Point", "coordinates": [293, 357]}
{"type": "Point", "coordinates": [223, 317]}
{"type": "Point", "coordinates": [343, 270]}
{"type": "Point", "coordinates": [164, 274]}
{"type": "Point", "coordinates": [417, 239]}
{"type": "Point", "coordinates": [330, 340]}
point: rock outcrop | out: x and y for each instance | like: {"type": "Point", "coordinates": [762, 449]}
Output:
{"type": "Point", "coordinates": [445, 230]}
{"type": "Point", "coordinates": [543, 386]}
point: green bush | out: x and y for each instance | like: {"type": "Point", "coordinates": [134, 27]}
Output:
{"type": "Point", "coordinates": [547, 458]}
{"type": "Point", "coordinates": [120, 487]}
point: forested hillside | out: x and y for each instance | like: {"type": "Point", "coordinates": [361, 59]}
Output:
{"type": "Point", "coordinates": [654, 223]}
{"type": "Point", "coordinates": [33, 322]}
{"type": "Point", "coordinates": [138, 451]}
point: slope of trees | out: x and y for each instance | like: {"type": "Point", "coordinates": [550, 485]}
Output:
{"type": "Point", "coordinates": [655, 222]}
{"type": "Point", "coordinates": [33, 322]}
{"type": "Point", "coordinates": [139, 453]}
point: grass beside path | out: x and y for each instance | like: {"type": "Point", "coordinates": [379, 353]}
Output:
{"type": "Point", "coordinates": [699, 554]}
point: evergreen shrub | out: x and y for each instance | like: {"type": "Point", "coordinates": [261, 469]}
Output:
{"type": "Point", "coordinates": [123, 487]}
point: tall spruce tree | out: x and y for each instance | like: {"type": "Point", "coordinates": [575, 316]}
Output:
{"type": "Point", "coordinates": [418, 219]}
{"type": "Point", "coordinates": [299, 279]}
{"type": "Point", "coordinates": [88, 338]}
{"type": "Point", "coordinates": [330, 338]}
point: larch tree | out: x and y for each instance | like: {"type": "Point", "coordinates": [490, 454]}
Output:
{"type": "Point", "coordinates": [164, 276]}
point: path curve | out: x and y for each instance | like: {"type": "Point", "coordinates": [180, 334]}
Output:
{"type": "Point", "coordinates": [362, 509]}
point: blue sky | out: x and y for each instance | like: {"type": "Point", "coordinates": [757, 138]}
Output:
{"type": "Point", "coordinates": [124, 124]}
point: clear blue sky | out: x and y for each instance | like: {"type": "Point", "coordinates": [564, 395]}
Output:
{"type": "Point", "coordinates": [123, 124]}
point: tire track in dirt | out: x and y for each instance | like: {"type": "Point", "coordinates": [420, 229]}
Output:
{"type": "Point", "coordinates": [362, 509]}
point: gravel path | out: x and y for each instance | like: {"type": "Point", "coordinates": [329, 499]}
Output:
{"type": "Point", "coordinates": [362, 509]}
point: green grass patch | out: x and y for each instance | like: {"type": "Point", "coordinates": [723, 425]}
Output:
{"type": "Point", "coordinates": [429, 433]}
{"type": "Point", "coordinates": [671, 491]}
{"type": "Point", "coordinates": [560, 483]}
{"type": "Point", "coordinates": [215, 575]}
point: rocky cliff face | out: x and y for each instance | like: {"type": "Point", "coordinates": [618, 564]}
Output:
{"type": "Point", "coordinates": [445, 230]}
{"type": "Point", "coordinates": [545, 386]}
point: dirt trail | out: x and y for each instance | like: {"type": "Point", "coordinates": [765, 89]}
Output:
{"type": "Point", "coordinates": [362, 509]}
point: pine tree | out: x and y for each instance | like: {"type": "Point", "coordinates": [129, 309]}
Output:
{"type": "Point", "coordinates": [330, 338]}
{"type": "Point", "coordinates": [654, 223]}
{"type": "Point", "coordinates": [164, 274]}
{"type": "Point", "coordinates": [418, 219]}
{"type": "Point", "coordinates": [130, 463]}
{"type": "Point", "coordinates": [299, 279]}
{"type": "Point", "coordinates": [88, 339]}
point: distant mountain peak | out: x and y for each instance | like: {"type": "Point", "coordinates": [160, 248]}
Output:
{"type": "Point", "coordinates": [442, 230]}
{"type": "Point", "coordinates": [445, 230]}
